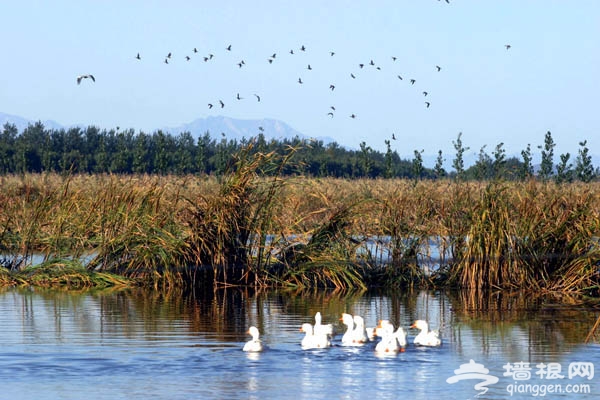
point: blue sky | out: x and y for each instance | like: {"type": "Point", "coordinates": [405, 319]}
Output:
{"type": "Point", "coordinates": [548, 80]}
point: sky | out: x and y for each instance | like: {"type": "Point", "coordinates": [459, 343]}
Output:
{"type": "Point", "coordinates": [547, 81]}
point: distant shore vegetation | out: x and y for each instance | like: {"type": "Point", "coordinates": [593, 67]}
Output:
{"type": "Point", "coordinates": [264, 221]}
{"type": "Point", "coordinates": [94, 151]}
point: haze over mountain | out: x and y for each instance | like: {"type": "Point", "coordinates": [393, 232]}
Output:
{"type": "Point", "coordinates": [215, 125]}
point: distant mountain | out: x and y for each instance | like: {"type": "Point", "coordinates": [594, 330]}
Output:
{"type": "Point", "coordinates": [237, 129]}
{"type": "Point", "coordinates": [232, 128]}
{"type": "Point", "coordinates": [22, 123]}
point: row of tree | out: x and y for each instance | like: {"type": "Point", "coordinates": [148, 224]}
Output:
{"type": "Point", "coordinates": [91, 150]}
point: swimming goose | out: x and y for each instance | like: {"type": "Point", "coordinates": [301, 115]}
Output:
{"type": "Point", "coordinates": [388, 342]}
{"type": "Point", "coordinates": [349, 322]}
{"type": "Point", "coordinates": [319, 328]}
{"type": "Point", "coordinates": [255, 344]}
{"type": "Point", "coordinates": [359, 335]}
{"type": "Point", "coordinates": [312, 340]}
{"type": "Point", "coordinates": [426, 337]}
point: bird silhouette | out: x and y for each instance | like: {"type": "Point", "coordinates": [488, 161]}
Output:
{"type": "Point", "coordinates": [195, 50]}
{"type": "Point", "coordinates": [270, 60]}
{"type": "Point", "coordinates": [508, 46]}
{"type": "Point", "coordinates": [257, 97]}
{"type": "Point", "coordinates": [300, 81]}
{"type": "Point", "coordinates": [332, 53]}
{"type": "Point", "coordinates": [274, 55]}
{"type": "Point", "coordinates": [302, 48]}
{"type": "Point", "coordinates": [210, 56]}
{"type": "Point", "coordinates": [332, 87]}
{"type": "Point", "coordinates": [80, 77]}
{"type": "Point", "coordinates": [352, 116]}
{"type": "Point", "coordinates": [238, 97]}
{"type": "Point", "coordinates": [228, 48]}
{"type": "Point", "coordinates": [291, 51]}
{"type": "Point", "coordinates": [425, 94]}
{"type": "Point", "coordinates": [309, 67]}
{"type": "Point", "coordinates": [361, 65]}
{"type": "Point", "coordinates": [187, 58]}
{"type": "Point", "coordinates": [205, 59]}
{"type": "Point", "coordinates": [166, 60]}
{"type": "Point", "coordinates": [240, 64]}
{"type": "Point", "coordinates": [169, 55]}
{"type": "Point", "coordinates": [412, 81]}
{"type": "Point", "coordinates": [371, 63]}
{"type": "Point", "coordinates": [438, 68]}
{"type": "Point", "coordinates": [427, 104]}
{"type": "Point", "coordinates": [352, 75]}
{"type": "Point", "coordinates": [330, 114]}
{"type": "Point", "coordinates": [138, 56]}
{"type": "Point", "coordinates": [332, 107]}
{"type": "Point", "coordinates": [399, 77]}
{"type": "Point", "coordinates": [393, 136]}
{"type": "Point", "coordinates": [394, 58]}
{"type": "Point", "coordinates": [210, 106]}
{"type": "Point", "coordinates": [222, 104]}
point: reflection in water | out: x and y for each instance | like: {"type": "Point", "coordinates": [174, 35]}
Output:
{"type": "Point", "coordinates": [189, 344]}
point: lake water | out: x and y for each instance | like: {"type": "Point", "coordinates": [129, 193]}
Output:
{"type": "Point", "coordinates": [143, 344]}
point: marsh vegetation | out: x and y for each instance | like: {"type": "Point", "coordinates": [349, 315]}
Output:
{"type": "Point", "coordinates": [253, 225]}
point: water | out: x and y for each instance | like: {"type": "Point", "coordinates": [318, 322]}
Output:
{"type": "Point", "coordinates": [143, 344]}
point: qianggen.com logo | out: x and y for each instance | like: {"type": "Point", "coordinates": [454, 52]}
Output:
{"type": "Point", "coordinates": [554, 379]}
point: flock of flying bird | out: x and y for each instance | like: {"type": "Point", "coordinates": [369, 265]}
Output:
{"type": "Point", "coordinates": [273, 57]}
{"type": "Point", "coordinates": [319, 335]}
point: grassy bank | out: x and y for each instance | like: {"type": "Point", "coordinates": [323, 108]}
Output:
{"type": "Point", "coordinates": [254, 227]}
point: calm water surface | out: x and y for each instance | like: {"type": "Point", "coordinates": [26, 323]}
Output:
{"type": "Point", "coordinates": [143, 344]}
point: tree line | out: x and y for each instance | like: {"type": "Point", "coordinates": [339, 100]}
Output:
{"type": "Point", "coordinates": [91, 150]}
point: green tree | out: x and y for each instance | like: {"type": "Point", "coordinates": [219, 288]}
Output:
{"type": "Point", "coordinates": [564, 172]}
{"type": "Point", "coordinates": [584, 170]}
{"type": "Point", "coordinates": [547, 164]}
{"type": "Point", "coordinates": [458, 163]}
{"type": "Point", "coordinates": [417, 165]}
{"type": "Point", "coordinates": [499, 163]}
{"type": "Point", "coordinates": [527, 167]}
{"type": "Point", "coordinates": [439, 170]}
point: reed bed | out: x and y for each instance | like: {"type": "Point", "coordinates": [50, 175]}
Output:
{"type": "Point", "coordinates": [255, 226]}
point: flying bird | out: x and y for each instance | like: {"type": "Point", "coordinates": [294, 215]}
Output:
{"type": "Point", "coordinates": [195, 50]}
{"type": "Point", "coordinates": [257, 97]}
{"type": "Point", "coordinates": [332, 53]}
{"type": "Point", "coordinates": [399, 77]}
{"type": "Point", "coordinates": [300, 81]}
{"type": "Point", "coordinates": [352, 116]}
{"type": "Point", "coordinates": [205, 59]}
{"type": "Point", "coordinates": [274, 55]}
{"type": "Point", "coordinates": [292, 51]}
{"type": "Point", "coordinates": [187, 58]}
{"type": "Point", "coordinates": [169, 55]}
{"type": "Point", "coordinates": [352, 75]}
{"type": "Point", "coordinates": [425, 94]}
{"type": "Point", "coordinates": [238, 97]}
{"type": "Point", "coordinates": [371, 63]}
{"type": "Point", "coordinates": [332, 107]}
{"type": "Point", "coordinates": [394, 58]}
{"type": "Point", "coordinates": [309, 67]}
{"type": "Point", "coordinates": [80, 77]}
{"type": "Point", "coordinates": [210, 106]}
{"type": "Point", "coordinates": [222, 104]}
{"type": "Point", "coordinates": [166, 60]}
{"type": "Point", "coordinates": [427, 104]}
{"type": "Point", "coordinates": [361, 65]}
{"type": "Point", "coordinates": [393, 136]}
{"type": "Point", "coordinates": [507, 46]}
{"type": "Point", "coordinates": [438, 68]}
{"type": "Point", "coordinates": [270, 60]}
{"type": "Point", "coordinates": [138, 56]}
{"type": "Point", "coordinates": [228, 48]}
{"type": "Point", "coordinates": [330, 114]}
{"type": "Point", "coordinates": [332, 87]}
{"type": "Point", "coordinates": [210, 56]}
{"type": "Point", "coordinates": [303, 48]}
{"type": "Point", "coordinates": [412, 81]}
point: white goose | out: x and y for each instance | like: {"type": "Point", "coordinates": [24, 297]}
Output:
{"type": "Point", "coordinates": [388, 343]}
{"type": "Point", "coordinates": [255, 344]}
{"type": "Point", "coordinates": [312, 340]}
{"type": "Point", "coordinates": [359, 335]}
{"type": "Point", "coordinates": [426, 337]}
{"type": "Point", "coordinates": [349, 322]}
{"type": "Point", "coordinates": [321, 329]}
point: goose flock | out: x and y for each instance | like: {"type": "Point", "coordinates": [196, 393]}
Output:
{"type": "Point", "coordinates": [320, 336]}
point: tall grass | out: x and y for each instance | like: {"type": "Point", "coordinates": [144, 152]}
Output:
{"type": "Point", "coordinates": [253, 226]}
